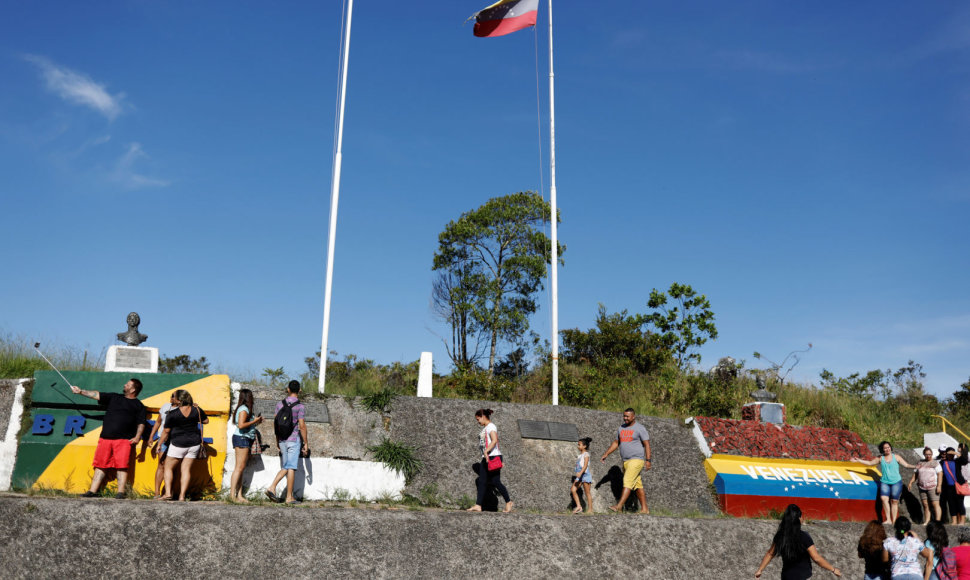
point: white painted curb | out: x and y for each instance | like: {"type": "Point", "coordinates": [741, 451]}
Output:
{"type": "Point", "coordinates": [317, 478]}
{"type": "Point", "coordinates": [8, 446]}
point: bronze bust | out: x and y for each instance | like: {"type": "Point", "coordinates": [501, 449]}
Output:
{"type": "Point", "coordinates": [132, 337]}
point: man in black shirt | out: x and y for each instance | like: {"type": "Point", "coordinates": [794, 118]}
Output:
{"type": "Point", "coordinates": [124, 423]}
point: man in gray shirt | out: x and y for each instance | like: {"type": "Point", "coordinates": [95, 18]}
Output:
{"type": "Point", "coordinates": [633, 440]}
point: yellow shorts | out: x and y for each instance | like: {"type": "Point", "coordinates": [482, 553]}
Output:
{"type": "Point", "coordinates": [631, 473]}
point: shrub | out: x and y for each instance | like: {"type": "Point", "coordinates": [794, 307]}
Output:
{"type": "Point", "coordinates": [398, 456]}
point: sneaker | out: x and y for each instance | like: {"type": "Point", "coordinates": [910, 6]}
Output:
{"type": "Point", "coordinates": [88, 494]}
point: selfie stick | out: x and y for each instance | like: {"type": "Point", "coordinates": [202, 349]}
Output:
{"type": "Point", "coordinates": [37, 348]}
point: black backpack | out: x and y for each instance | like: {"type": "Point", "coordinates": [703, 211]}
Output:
{"type": "Point", "coordinates": [283, 422]}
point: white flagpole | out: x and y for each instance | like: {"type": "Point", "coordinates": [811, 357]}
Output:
{"type": "Point", "coordinates": [552, 200]}
{"type": "Point", "coordinates": [334, 198]}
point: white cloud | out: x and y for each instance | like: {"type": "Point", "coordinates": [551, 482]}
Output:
{"type": "Point", "coordinates": [125, 174]}
{"type": "Point", "coordinates": [77, 87]}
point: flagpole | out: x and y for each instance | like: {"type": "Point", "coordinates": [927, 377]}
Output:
{"type": "Point", "coordinates": [334, 198]}
{"type": "Point", "coordinates": [552, 201]}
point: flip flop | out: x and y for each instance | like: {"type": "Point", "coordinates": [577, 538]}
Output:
{"type": "Point", "coordinates": [272, 496]}
{"type": "Point", "coordinates": [614, 510]}
{"type": "Point", "coordinates": [294, 502]}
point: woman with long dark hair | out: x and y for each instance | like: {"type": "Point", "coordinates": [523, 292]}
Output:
{"type": "Point", "coordinates": [490, 467]}
{"type": "Point", "coordinates": [185, 442]}
{"type": "Point", "coordinates": [796, 548]}
{"type": "Point", "coordinates": [242, 440]}
{"type": "Point", "coordinates": [870, 550]}
{"type": "Point", "coordinates": [936, 540]}
{"type": "Point", "coordinates": [903, 550]}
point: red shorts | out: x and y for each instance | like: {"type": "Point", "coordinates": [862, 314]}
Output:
{"type": "Point", "coordinates": [113, 454]}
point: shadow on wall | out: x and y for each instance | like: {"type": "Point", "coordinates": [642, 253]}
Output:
{"type": "Point", "coordinates": [614, 478]}
{"type": "Point", "coordinates": [270, 465]}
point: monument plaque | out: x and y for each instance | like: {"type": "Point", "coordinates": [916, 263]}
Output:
{"type": "Point", "coordinates": [316, 411]}
{"type": "Point", "coordinates": [134, 358]}
{"type": "Point", "coordinates": [131, 359]}
{"type": "Point", "coordinates": [548, 430]}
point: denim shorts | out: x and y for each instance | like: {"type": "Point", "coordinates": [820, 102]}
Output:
{"type": "Point", "coordinates": [238, 441]}
{"type": "Point", "coordinates": [289, 454]}
{"type": "Point", "coordinates": [892, 491]}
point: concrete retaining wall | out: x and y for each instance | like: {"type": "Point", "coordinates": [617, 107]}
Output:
{"type": "Point", "coordinates": [538, 472]}
{"type": "Point", "coordinates": [339, 464]}
{"type": "Point", "coordinates": [106, 538]}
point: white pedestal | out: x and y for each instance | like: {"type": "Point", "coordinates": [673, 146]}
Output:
{"type": "Point", "coordinates": [424, 375]}
{"type": "Point", "coordinates": [131, 359]}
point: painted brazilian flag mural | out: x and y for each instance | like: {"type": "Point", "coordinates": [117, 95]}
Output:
{"type": "Point", "coordinates": [57, 450]}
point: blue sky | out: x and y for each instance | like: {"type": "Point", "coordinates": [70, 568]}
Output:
{"type": "Point", "coordinates": [805, 165]}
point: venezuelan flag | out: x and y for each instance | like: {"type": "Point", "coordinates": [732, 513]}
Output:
{"type": "Point", "coordinates": [505, 17]}
{"type": "Point", "coordinates": [827, 490]}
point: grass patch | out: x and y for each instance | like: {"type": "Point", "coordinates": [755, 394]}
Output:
{"type": "Point", "coordinates": [379, 402]}
{"type": "Point", "coordinates": [397, 456]}
{"type": "Point", "coordinates": [465, 502]}
{"type": "Point", "coordinates": [19, 360]}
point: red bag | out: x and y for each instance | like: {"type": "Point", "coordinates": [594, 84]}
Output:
{"type": "Point", "coordinates": [495, 463]}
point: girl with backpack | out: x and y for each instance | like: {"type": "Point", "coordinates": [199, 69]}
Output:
{"type": "Point", "coordinates": [927, 476]}
{"type": "Point", "coordinates": [937, 540]}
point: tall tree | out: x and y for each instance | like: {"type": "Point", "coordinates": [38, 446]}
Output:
{"type": "Point", "coordinates": [491, 263]}
{"type": "Point", "coordinates": [684, 320]}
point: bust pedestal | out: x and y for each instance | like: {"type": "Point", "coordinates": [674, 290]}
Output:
{"type": "Point", "coordinates": [131, 359]}
{"type": "Point", "coordinates": [764, 412]}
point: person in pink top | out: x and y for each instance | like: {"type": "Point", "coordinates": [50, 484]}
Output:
{"type": "Point", "coordinates": [962, 553]}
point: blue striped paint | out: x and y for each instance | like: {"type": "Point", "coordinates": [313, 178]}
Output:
{"type": "Point", "coordinates": [742, 484]}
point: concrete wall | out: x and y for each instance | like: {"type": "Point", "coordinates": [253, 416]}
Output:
{"type": "Point", "coordinates": [339, 463]}
{"type": "Point", "coordinates": [537, 472]}
{"type": "Point", "coordinates": [66, 538]}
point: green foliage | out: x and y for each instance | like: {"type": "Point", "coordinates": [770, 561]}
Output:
{"type": "Point", "coordinates": [618, 344]}
{"type": "Point", "coordinates": [478, 384]}
{"type": "Point", "coordinates": [465, 502]}
{"type": "Point", "coordinates": [873, 383]}
{"type": "Point", "coordinates": [684, 321]}
{"type": "Point", "coordinates": [183, 364]}
{"type": "Point", "coordinates": [274, 376]}
{"type": "Point", "coordinates": [430, 496]}
{"type": "Point", "coordinates": [959, 403]}
{"type": "Point", "coordinates": [491, 263]}
{"type": "Point", "coordinates": [356, 377]}
{"type": "Point", "coordinates": [379, 402]}
{"type": "Point", "coordinates": [398, 456]}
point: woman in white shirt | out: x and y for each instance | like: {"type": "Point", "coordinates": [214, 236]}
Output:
{"type": "Point", "coordinates": [490, 467]}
